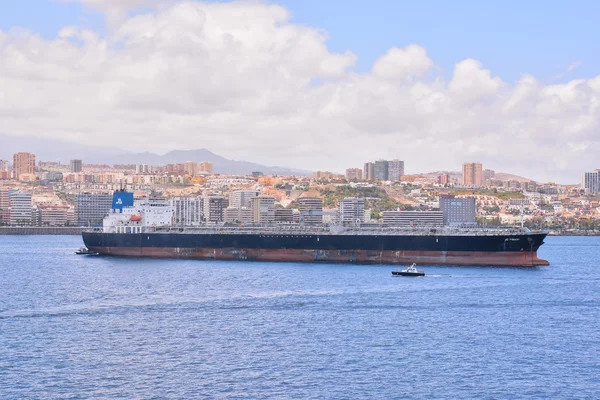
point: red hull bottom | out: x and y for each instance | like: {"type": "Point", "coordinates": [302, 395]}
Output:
{"type": "Point", "coordinates": [514, 259]}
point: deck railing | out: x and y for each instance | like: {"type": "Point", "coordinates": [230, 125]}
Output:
{"type": "Point", "coordinates": [338, 230]}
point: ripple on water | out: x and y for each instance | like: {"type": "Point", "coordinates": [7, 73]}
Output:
{"type": "Point", "coordinates": [82, 327]}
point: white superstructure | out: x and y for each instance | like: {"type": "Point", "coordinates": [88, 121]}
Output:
{"type": "Point", "coordinates": [144, 213]}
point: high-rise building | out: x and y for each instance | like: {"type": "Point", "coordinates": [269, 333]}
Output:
{"type": "Point", "coordinates": [191, 168]}
{"type": "Point", "coordinates": [473, 174]}
{"type": "Point", "coordinates": [444, 179]}
{"type": "Point", "coordinates": [263, 209]}
{"type": "Point", "coordinates": [353, 174]}
{"type": "Point", "coordinates": [3, 165]}
{"type": "Point", "coordinates": [76, 166]}
{"type": "Point", "coordinates": [143, 169]}
{"type": "Point", "coordinates": [311, 210]}
{"type": "Point", "coordinates": [20, 208]}
{"type": "Point", "coordinates": [351, 211]}
{"type": "Point", "coordinates": [395, 170]}
{"type": "Point", "coordinates": [4, 207]}
{"type": "Point", "coordinates": [23, 163]}
{"type": "Point", "coordinates": [369, 171]}
{"type": "Point", "coordinates": [458, 211]}
{"type": "Point", "coordinates": [187, 210]}
{"type": "Point", "coordinates": [213, 208]}
{"type": "Point", "coordinates": [590, 181]}
{"type": "Point", "coordinates": [206, 166]}
{"type": "Point", "coordinates": [381, 170]}
{"type": "Point", "coordinates": [241, 198]}
{"type": "Point", "coordinates": [175, 169]}
{"type": "Point", "coordinates": [91, 208]}
{"type": "Point", "coordinates": [488, 174]}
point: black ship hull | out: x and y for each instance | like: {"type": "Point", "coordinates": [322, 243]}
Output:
{"type": "Point", "coordinates": [482, 250]}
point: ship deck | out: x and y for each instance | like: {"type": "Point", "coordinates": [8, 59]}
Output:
{"type": "Point", "coordinates": [336, 230]}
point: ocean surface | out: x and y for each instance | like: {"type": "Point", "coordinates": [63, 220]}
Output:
{"type": "Point", "coordinates": [80, 327]}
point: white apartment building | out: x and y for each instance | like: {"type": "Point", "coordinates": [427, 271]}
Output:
{"type": "Point", "coordinates": [351, 211]}
{"type": "Point", "coordinates": [241, 198]}
{"type": "Point", "coordinates": [188, 211]}
{"type": "Point", "coordinates": [20, 208]}
{"type": "Point", "coordinates": [590, 181]}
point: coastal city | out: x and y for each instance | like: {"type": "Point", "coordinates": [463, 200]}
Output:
{"type": "Point", "coordinates": [52, 194]}
{"type": "Point", "coordinates": [277, 199]}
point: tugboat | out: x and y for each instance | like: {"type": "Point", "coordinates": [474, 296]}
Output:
{"type": "Point", "coordinates": [410, 271]}
{"type": "Point", "coordinates": [85, 252]}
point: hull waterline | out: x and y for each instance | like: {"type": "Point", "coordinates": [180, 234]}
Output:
{"type": "Point", "coordinates": [114, 245]}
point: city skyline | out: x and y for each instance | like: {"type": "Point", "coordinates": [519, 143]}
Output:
{"type": "Point", "coordinates": [472, 175]}
{"type": "Point", "coordinates": [296, 90]}
{"type": "Point", "coordinates": [390, 172]}
{"type": "Point", "coordinates": [51, 194]}
{"type": "Point", "coordinates": [299, 199]}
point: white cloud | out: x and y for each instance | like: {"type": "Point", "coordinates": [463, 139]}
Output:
{"type": "Point", "coordinates": [403, 63]}
{"type": "Point", "coordinates": [243, 81]}
{"type": "Point", "coordinates": [471, 82]}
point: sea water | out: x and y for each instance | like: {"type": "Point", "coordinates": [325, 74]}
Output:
{"type": "Point", "coordinates": [85, 327]}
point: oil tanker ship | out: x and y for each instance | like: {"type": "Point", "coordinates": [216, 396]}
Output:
{"type": "Point", "coordinates": [146, 230]}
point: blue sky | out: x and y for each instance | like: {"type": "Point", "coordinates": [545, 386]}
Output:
{"type": "Point", "coordinates": [43, 16]}
{"type": "Point", "coordinates": [434, 118]}
{"type": "Point", "coordinates": [542, 38]}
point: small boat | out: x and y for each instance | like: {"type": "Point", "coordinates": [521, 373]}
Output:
{"type": "Point", "coordinates": [410, 271]}
{"type": "Point", "coordinates": [85, 252]}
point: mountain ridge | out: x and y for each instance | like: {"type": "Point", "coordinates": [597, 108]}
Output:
{"type": "Point", "coordinates": [63, 151]}
{"type": "Point", "coordinates": [57, 150]}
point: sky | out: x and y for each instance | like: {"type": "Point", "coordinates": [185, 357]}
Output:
{"type": "Point", "coordinates": [312, 84]}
